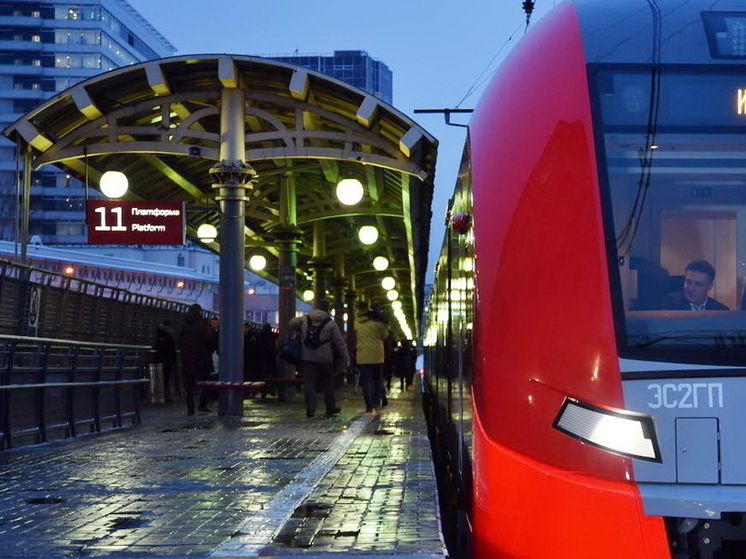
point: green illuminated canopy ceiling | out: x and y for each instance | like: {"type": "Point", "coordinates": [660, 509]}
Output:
{"type": "Point", "coordinates": [159, 122]}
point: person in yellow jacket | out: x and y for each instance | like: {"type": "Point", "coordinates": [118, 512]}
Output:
{"type": "Point", "coordinates": [371, 331]}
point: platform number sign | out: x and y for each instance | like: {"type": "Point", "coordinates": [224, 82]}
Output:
{"type": "Point", "coordinates": [115, 222]}
{"type": "Point", "coordinates": [103, 217]}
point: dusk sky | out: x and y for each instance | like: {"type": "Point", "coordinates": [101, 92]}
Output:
{"type": "Point", "coordinates": [438, 51]}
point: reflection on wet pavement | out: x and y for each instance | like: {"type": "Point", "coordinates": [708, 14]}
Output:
{"type": "Point", "coordinates": [186, 486]}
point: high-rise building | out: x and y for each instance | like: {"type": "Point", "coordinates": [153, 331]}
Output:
{"type": "Point", "coordinates": [46, 47]}
{"type": "Point", "coordinates": [354, 67]}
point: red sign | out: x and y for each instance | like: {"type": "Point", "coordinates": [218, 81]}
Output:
{"type": "Point", "coordinates": [115, 222]}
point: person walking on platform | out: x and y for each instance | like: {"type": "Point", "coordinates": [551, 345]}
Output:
{"type": "Point", "coordinates": [405, 359]}
{"type": "Point", "coordinates": [165, 354]}
{"type": "Point", "coordinates": [372, 334]}
{"type": "Point", "coordinates": [265, 353]}
{"type": "Point", "coordinates": [195, 341]}
{"type": "Point", "coordinates": [318, 333]}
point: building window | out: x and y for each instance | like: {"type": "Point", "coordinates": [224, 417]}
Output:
{"type": "Point", "coordinates": [26, 82]}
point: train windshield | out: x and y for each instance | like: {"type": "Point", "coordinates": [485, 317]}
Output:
{"type": "Point", "coordinates": [673, 155]}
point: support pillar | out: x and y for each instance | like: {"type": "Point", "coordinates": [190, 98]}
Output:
{"type": "Point", "coordinates": [351, 300]}
{"type": "Point", "coordinates": [287, 238]}
{"type": "Point", "coordinates": [319, 265]}
{"type": "Point", "coordinates": [321, 277]}
{"type": "Point", "coordinates": [26, 204]}
{"type": "Point", "coordinates": [339, 285]}
{"type": "Point", "coordinates": [287, 243]}
{"type": "Point", "coordinates": [230, 179]}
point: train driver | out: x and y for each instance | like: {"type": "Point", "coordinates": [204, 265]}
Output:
{"type": "Point", "coordinates": [698, 281]}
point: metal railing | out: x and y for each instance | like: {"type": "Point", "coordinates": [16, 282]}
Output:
{"type": "Point", "coordinates": [52, 389]}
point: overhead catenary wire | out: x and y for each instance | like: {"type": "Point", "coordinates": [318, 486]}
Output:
{"type": "Point", "coordinates": [481, 78]}
{"type": "Point", "coordinates": [528, 8]}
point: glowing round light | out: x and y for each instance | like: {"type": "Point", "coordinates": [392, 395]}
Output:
{"type": "Point", "coordinates": [180, 284]}
{"type": "Point", "coordinates": [349, 191]}
{"type": "Point", "coordinates": [380, 263]}
{"type": "Point", "coordinates": [257, 262]}
{"type": "Point", "coordinates": [207, 232]}
{"type": "Point", "coordinates": [69, 270]}
{"type": "Point", "coordinates": [396, 305]}
{"type": "Point", "coordinates": [114, 184]}
{"type": "Point", "coordinates": [392, 295]}
{"type": "Point", "coordinates": [308, 295]}
{"type": "Point", "coordinates": [388, 283]}
{"type": "Point", "coordinates": [368, 234]}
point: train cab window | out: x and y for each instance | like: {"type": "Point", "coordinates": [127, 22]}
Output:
{"type": "Point", "coordinates": [674, 177]}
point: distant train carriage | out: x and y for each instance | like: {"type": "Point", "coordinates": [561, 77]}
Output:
{"type": "Point", "coordinates": [586, 342]}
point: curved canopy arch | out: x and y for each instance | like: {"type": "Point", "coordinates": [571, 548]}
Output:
{"type": "Point", "coordinates": [159, 122]}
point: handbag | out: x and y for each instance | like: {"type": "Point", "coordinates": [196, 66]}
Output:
{"type": "Point", "coordinates": [291, 350]}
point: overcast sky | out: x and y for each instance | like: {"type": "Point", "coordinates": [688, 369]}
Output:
{"type": "Point", "coordinates": [438, 50]}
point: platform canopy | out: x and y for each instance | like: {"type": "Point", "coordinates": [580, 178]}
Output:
{"type": "Point", "coordinates": [159, 123]}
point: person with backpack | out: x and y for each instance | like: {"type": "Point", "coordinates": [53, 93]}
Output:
{"type": "Point", "coordinates": [320, 338]}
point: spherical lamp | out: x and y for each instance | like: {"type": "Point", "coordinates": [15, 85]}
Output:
{"type": "Point", "coordinates": [368, 234]}
{"type": "Point", "coordinates": [388, 283]}
{"type": "Point", "coordinates": [392, 295]}
{"type": "Point", "coordinates": [207, 232]}
{"type": "Point", "coordinates": [114, 184]}
{"type": "Point", "coordinates": [349, 191]}
{"type": "Point", "coordinates": [308, 295]}
{"type": "Point", "coordinates": [380, 263]}
{"type": "Point", "coordinates": [257, 262]}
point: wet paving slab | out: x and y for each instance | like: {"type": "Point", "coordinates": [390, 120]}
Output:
{"type": "Point", "coordinates": [272, 483]}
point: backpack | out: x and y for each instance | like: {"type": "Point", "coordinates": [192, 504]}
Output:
{"type": "Point", "coordinates": [313, 333]}
{"type": "Point", "coordinates": [291, 350]}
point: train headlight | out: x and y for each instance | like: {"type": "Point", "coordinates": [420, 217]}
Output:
{"type": "Point", "coordinates": [623, 432]}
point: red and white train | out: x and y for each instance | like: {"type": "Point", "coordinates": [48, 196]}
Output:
{"type": "Point", "coordinates": [575, 412]}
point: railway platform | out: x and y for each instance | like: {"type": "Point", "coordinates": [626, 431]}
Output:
{"type": "Point", "coordinates": [271, 483]}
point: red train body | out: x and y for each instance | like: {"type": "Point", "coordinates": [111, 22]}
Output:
{"type": "Point", "coordinates": [545, 396]}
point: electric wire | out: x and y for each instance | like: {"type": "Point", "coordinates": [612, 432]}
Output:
{"type": "Point", "coordinates": [477, 83]}
{"type": "Point", "coordinates": [626, 238]}
{"type": "Point", "coordinates": [528, 7]}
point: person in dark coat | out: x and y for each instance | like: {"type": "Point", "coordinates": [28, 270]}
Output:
{"type": "Point", "coordinates": [406, 357]}
{"type": "Point", "coordinates": [165, 353]}
{"type": "Point", "coordinates": [699, 279]}
{"type": "Point", "coordinates": [195, 341]}
{"type": "Point", "coordinates": [250, 370]}
{"type": "Point", "coordinates": [265, 353]}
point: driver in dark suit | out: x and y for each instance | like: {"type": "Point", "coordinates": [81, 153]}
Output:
{"type": "Point", "coordinates": [698, 281]}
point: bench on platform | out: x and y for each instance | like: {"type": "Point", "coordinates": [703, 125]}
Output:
{"type": "Point", "coordinates": [248, 386]}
